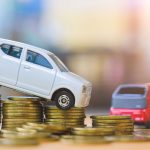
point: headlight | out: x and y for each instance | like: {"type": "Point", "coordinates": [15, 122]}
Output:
{"type": "Point", "coordinates": [84, 89]}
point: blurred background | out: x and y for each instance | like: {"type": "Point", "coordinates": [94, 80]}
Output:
{"type": "Point", "coordinates": [105, 41]}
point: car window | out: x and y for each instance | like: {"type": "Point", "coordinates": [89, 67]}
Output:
{"type": "Point", "coordinates": [132, 90]}
{"type": "Point", "coordinates": [15, 51]}
{"type": "Point", "coordinates": [59, 63]}
{"type": "Point", "coordinates": [5, 48]}
{"type": "Point", "coordinates": [38, 59]}
{"type": "Point", "coordinates": [11, 50]}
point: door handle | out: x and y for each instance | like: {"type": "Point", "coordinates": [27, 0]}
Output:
{"type": "Point", "coordinates": [27, 67]}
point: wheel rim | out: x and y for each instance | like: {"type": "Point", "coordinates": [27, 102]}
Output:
{"type": "Point", "coordinates": [63, 100]}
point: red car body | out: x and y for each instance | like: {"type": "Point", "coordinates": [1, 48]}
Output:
{"type": "Point", "coordinates": [133, 100]}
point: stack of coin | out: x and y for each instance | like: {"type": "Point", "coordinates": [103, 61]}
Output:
{"type": "Point", "coordinates": [73, 117]}
{"type": "Point", "coordinates": [0, 111]}
{"type": "Point", "coordinates": [38, 131]}
{"type": "Point", "coordinates": [17, 111]}
{"type": "Point", "coordinates": [19, 141]}
{"type": "Point", "coordinates": [123, 125]}
{"type": "Point", "coordinates": [142, 133]}
{"type": "Point", "coordinates": [81, 139]}
{"type": "Point", "coordinates": [90, 131]}
{"type": "Point", "coordinates": [45, 128]}
{"type": "Point", "coordinates": [89, 135]}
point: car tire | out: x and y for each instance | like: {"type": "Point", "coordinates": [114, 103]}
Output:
{"type": "Point", "coordinates": [147, 124]}
{"type": "Point", "coordinates": [64, 100]}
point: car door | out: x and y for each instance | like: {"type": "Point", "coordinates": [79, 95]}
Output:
{"type": "Point", "coordinates": [36, 73]}
{"type": "Point", "coordinates": [9, 63]}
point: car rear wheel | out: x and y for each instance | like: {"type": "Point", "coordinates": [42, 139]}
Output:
{"type": "Point", "coordinates": [148, 125]}
{"type": "Point", "coordinates": [64, 100]}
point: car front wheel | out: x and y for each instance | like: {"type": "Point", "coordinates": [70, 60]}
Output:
{"type": "Point", "coordinates": [64, 100]}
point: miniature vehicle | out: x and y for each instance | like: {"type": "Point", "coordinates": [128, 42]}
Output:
{"type": "Point", "coordinates": [39, 72]}
{"type": "Point", "coordinates": [134, 100]}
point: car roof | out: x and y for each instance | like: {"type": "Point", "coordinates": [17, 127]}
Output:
{"type": "Point", "coordinates": [128, 86]}
{"type": "Point", "coordinates": [132, 85]}
{"type": "Point", "coordinates": [25, 45]}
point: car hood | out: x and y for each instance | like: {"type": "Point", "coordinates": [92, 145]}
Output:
{"type": "Point", "coordinates": [74, 77]}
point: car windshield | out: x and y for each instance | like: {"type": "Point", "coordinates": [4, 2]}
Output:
{"type": "Point", "coordinates": [59, 63]}
{"type": "Point", "coordinates": [130, 98]}
{"type": "Point", "coordinates": [132, 90]}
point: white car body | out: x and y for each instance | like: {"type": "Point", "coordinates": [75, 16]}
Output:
{"type": "Point", "coordinates": [22, 75]}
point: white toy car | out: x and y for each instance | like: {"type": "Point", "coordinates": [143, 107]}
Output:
{"type": "Point", "coordinates": [39, 72]}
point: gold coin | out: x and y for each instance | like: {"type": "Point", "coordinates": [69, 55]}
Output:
{"type": "Point", "coordinates": [12, 124]}
{"type": "Point", "coordinates": [38, 135]}
{"type": "Point", "coordinates": [66, 125]}
{"type": "Point", "coordinates": [20, 119]}
{"type": "Point", "coordinates": [49, 127]}
{"type": "Point", "coordinates": [71, 109]}
{"type": "Point", "coordinates": [115, 127]}
{"type": "Point", "coordinates": [63, 111]}
{"type": "Point", "coordinates": [123, 133]}
{"type": "Point", "coordinates": [92, 134]}
{"type": "Point", "coordinates": [93, 131]}
{"type": "Point", "coordinates": [69, 123]}
{"type": "Point", "coordinates": [104, 126]}
{"type": "Point", "coordinates": [16, 141]}
{"type": "Point", "coordinates": [64, 117]}
{"type": "Point", "coordinates": [113, 121]}
{"type": "Point", "coordinates": [21, 105]}
{"type": "Point", "coordinates": [66, 122]}
{"type": "Point", "coordinates": [110, 117]}
{"type": "Point", "coordinates": [21, 116]}
{"type": "Point", "coordinates": [131, 138]}
{"type": "Point", "coordinates": [125, 127]}
{"type": "Point", "coordinates": [35, 124]}
{"type": "Point", "coordinates": [21, 102]}
{"type": "Point", "coordinates": [125, 124]}
{"type": "Point", "coordinates": [25, 98]}
{"type": "Point", "coordinates": [66, 114]}
{"type": "Point", "coordinates": [19, 109]}
{"type": "Point", "coordinates": [116, 138]}
{"type": "Point", "coordinates": [79, 139]}
{"type": "Point", "coordinates": [8, 131]}
{"type": "Point", "coordinates": [23, 110]}
{"type": "Point", "coordinates": [26, 130]}
{"type": "Point", "coordinates": [20, 123]}
{"type": "Point", "coordinates": [90, 129]}
{"type": "Point", "coordinates": [62, 120]}
{"type": "Point", "coordinates": [74, 124]}
{"type": "Point", "coordinates": [37, 128]}
{"type": "Point", "coordinates": [111, 124]}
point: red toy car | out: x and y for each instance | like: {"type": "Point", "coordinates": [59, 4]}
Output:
{"type": "Point", "coordinates": [134, 100]}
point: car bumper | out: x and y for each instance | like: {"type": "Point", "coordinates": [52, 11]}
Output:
{"type": "Point", "coordinates": [138, 115]}
{"type": "Point", "coordinates": [84, 99]}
